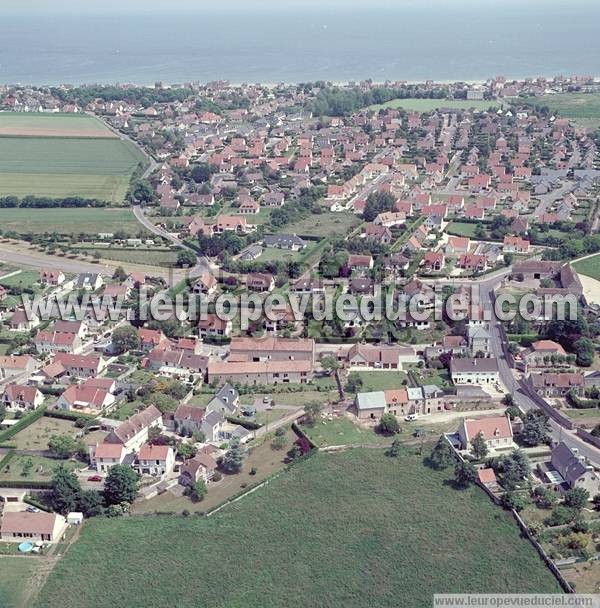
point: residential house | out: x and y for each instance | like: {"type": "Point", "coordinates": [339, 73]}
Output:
{"type": "Point", "coordinates": [515, 244]}
{"type": "Point", "coordinates": [479, 340]}
{"type": "Point", "coordinates": [80, 366]}
{"type": "Point", "coordinates": [94, 394]}
{"type": "Point", "coordinates": [89, 281]}
{"type": "Point", "coordinates": [51, 277]}
{"type": "Point", "coordinates": [214, 327]}
{"type": "Point", "coordinates": [557, 384]}
{"type": "Point", "coordinates": [155, 460]}
{"type": "Point", "coordinates": [474, 370]}
{"type": "Point", "coordinates": [272, 348]}
{"type": "Point", "coordinates": [18, 398]}
{"type": "Point", "coordinates": [496, 431]}
{"type": "Point", "coordinates": [14, 365]}
{"type": "Point", "coordinates": [133, 433]}
{"type": "Point", "coordinates": [370, 405]}
{"type": "Point", "coordinates": [205, 284]}
{"type": "Point", "coordinates": [290, 242]}
{"type": "Point", "coordinates": [200, 467]}
{"type": "Point", "coordinates": [19, 526]}
{"type": "Point", "coordinates": [48, 342]}
{"type": "Point", "coordinates": [259, 281]}
{"type": "Point", "coordinates": [574, 469]}
{"type": "Point", "coordinates": [543, 353]}
{"type": "Point", "coordinates": [261, 372]}
{"type": "Point", "coordinates": [373, 356]}
{"type": "Point", "coordinates": [104, 456]}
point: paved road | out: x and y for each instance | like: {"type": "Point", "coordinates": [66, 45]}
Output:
{"type": "Point", "coordinates": [203, 263]}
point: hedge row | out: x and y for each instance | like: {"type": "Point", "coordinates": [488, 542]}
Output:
{"type": "Point", "coordinates": [30, 500]}
{"type": "Point", "coordinates": [581, 404]}
{"type": "Point", "coordinates": [247, 424]}
{"type": "Point", "coordinates": [22, 424]}
{"type": "Point", "coordinates": [67, 415]}
{"type": "Point", "coordinates": [32, 485]}
{"type": "Point", "coordinates": [7, 458]}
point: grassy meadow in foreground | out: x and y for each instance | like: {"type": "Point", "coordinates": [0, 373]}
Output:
{"type": "Point", "coordinates": [350, 529]}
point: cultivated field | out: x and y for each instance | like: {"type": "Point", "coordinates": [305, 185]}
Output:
{"type": "Point", "coordinates": [590, 267]}
{"type": "Point", "coordinates": [325, 224]}
{"type": "Point", "coordinates": [427, 105]}
{"type": "Point", "coordinates": [583, 108]}
{"type": "Point", "coordinates": [353, 529]}
{"type": "Point", "coordinates": [64, 155]}
{"type": "Point", "coordinates": [69, 221]}
{"type": "Point", "coordinates": [20, 124]}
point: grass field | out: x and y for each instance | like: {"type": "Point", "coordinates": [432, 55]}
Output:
{"type": "Point", "coordinates": [34, 468]}
{"type": "Point", "coordinates": [164, 257]}
{"type": "Point", "coordinates": [353, 529]}
{"type": "Point", "coordinates": [20, 124]}
{"type": "Point", "coordinates": [37, 434]}
{"type": "Point", "coordinates": [583, 108]}
{"type": "Point", "coordinates": [16, 573]}
{"type": "Point", "coordinates": [427, 105]}
{"type": "Point", "coordinates": [590, 267]}
{"type": "Point", "coordinates": [381, 381]}
{"type": "Point", "coordinates": [462, 229]}
{"type": "Point", "coordinates": [69, 221]}
{"type": "Point", "coordinates": [324, 224]}
{"type": "Point", "coordinates": [59, 156]}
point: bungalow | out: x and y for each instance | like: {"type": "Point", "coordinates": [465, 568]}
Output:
{"type": "Point", "coordinates": [274, 199]}
{"type": "Point", "coordinates": [19, 526]}
{"type": "Point", "coordinates": [458, 245]}
{"type": "Point", "coordinates": [543, 353]}
{"type": "Point", "coordinates": [574, 469]}
{"type": "Point", "coordinates": [94, 394]}
{"type": "Point", "coordinates": [249, 207]}
{"type": "Point", "coordinates": [361, 286]}
{"type": "Point", "coordinates": [389, 219]}
{"type": "Point", "coordinates": [373, 356]}
{"type": "Point", "coordinates": [21, 322]}
{"type": "Point", "coordinates": [261, 282]}
{"type": "Point", "coordinates": [89, 281]}
{"type": "Point", "coordinates": [155, 460]}
{"type": "Point", "coordinates": [433, 261]}
{"type": "Point", "coordinates": [51, 277]}
{"type": "Point", "coordinates": [381, 234]}
{"type": "Point", "coordinates": [260, 372]}
{"type": "Point", "coordinates": [473, 262]}
{"type": "Point", "coordinates": [290, 242]}
{"type": "Point", "coordinates": [515, 244]}
{"type": "Point", "coordinates": [360, 263]}
{"type": "Point", "coordinates": [232, 223]}
{"type": "Point", "coordinates": [474, 370]}
{"type": "Point", "coordinates": [557, 385]}
{"type": "Point", "coordinates": [18, 398]}
{"type": "Point", "coordinates": [80, 366]}
{"type": "Point", "coordinates": [308, 286]}
{"type": "Point", "coordinates": [496, 431]}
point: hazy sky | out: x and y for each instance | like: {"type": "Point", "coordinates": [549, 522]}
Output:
{"type": "Point", "coordinates": [33, 7]}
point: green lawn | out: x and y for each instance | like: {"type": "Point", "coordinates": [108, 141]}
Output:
{"type": "Point", "coordinates": [322, 225]}
{"type": "Point", "coordinates": [160, 257]}
{"type": "Point", "coordinates": [590, 267]}
{"type": "Point", "coordinates": [380, 381]}
{"type": "Point", "coordinates": [34, 468]}
{"type": "Point", "coordinates": [427, 105]}
{"type": "Point", "coordinates": [37, 434]}
{"type": "Point", "coordinates": [69, 221]}
{"type": "Point", "coordinates": [342, 431]}
{"type": "Point", "coordinates": [583, 108]}
{"type": "Point", "coordinates": [61, 166]}
{"type": "Point", "coordinates": [25, 279]}
{"type": "Point", "coordinates": [353, 529]}
{"type": "Point", "coordinates": [462, 229]}
{"type": "Point", "coordinates": [17, 573]}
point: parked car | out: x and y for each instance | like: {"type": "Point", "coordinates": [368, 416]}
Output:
{"type": "Point", "coordinates": [32, 509]}
{"type": "Point", "coordinates": [95, 478]}
{"type": "Point", "coordinates": [411, 417]}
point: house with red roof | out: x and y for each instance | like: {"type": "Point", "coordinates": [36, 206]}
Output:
{"type": "Point", "coordinates": [496, 431]}
{"type": "Point", "coordinates": [18, 398]}
{"type": "Point", "coordinates": [155, 460]}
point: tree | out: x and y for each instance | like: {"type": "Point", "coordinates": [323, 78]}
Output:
{"type": "Point", "coordinates": [511, 469]}
{"type": "Point", "coordinates": [354, 382]}
{"type": "Point", "coordinates": [65, 446]}
{"type": "Point", "coordinates": [278, 442]}
{"type": "Point", "coordinates": [196, 491]}
{"type": "Point", "coordinates": [512, 500]}
{"type": "Point", "coordinates": [312, 409]}
{"type": "Point", "coordinates": [330, 363]}
{"type": "Point", "coordinates": [120, 275]}
{"type": "Point", "coordinates": [91, 503]}
{"type": "Point", "coordinates": [465, 474]}
{"type": "Point", "coordinates": [200, 173]}
{"type": "Point", "coordinates": [508, 400]}
{"type": "Point", "coordinates": [560, 516]}
{"type": "Point", "coordinates": [536, 429]}
{"type": "Point", "coordinates": [125, 338]}
{"type": "Point", "coordinates": [513, 412]}
{"type": "Point", "coordinates": [233, 461]}
{"type": "Point", "coordinates": [577, 498]}
{"type": "Point", "coordinates": [388, 425]}
{"type": "Point", "coordinates": [186, 450]}
{"type": "Point", "coordinates": [186, 258]}
{"type": "Point", "coordinates": [442, 455]}
{"type": "Point", "coordinates": [66, 491]}
{"type": "Point", "coordinates": [584, 350]}
{"type": "Point", "coordinates": [199, 436]}
{"type": "Point", "coordinates": [596, 501]}
{"type": "Point", "coordinates": [395, 449]}
{"type": "Point", "coordinates": [544, 497]}
{"type": "Point", "coordinates": [121, 485]}
{"type": "Point", "coordinates": [479, 447]}
{"type": "Point", "coordinates": [2, 412]}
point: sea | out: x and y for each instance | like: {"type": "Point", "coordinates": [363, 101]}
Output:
{"type": "Point", "coordinates": [413, 41]}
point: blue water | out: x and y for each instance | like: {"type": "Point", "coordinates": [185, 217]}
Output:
{"type": "Point", "coordinates": [455, 42]}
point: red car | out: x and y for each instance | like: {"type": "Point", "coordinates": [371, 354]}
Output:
{"type": "Point", "coordinates": [94, 478]}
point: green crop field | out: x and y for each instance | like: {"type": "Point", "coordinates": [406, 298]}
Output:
{"type": "Point", "coordinates": [323, 225]}
{"type": "Point", "coordinates": [353, 529]}
{"type": "Point", "coordinates": [583, 108]}
{"type": "Point", "coordinates": [590, 267]}
{"type": "Point", "coordinates": [427, 105]}
{"type": "Point", "coordinates": [69, 221]}
{"type": "Point", "coordinates": [21, 124]}
{"type": "Point", "coordinates": [59, 167]}
{"type": "Point", "coordinates": [60, 155]}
